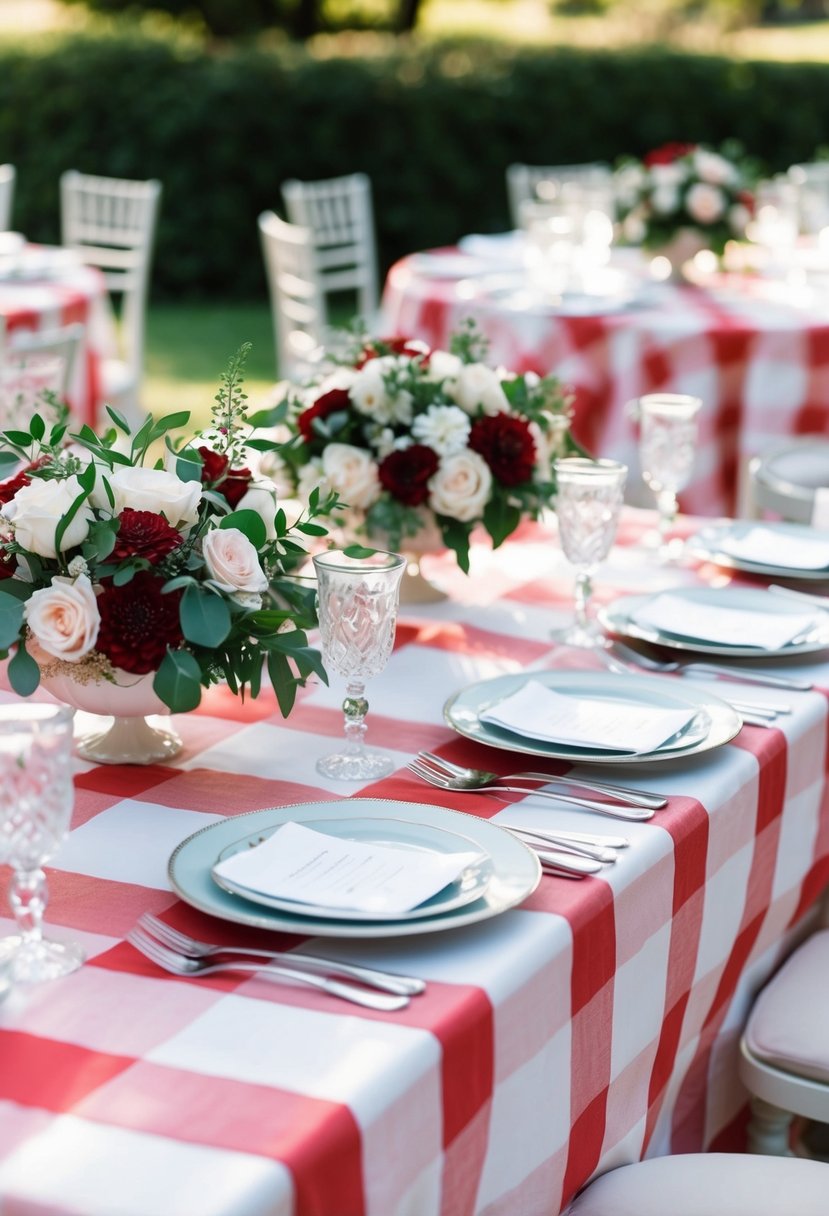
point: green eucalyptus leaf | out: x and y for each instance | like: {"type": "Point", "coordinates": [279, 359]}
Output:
{"type": "Point", "coordinates": [205, 617]}
{"type": "Point", "coordinates": [250, 524]}
{"type": "Point", "coordinates": [284, 681]}
{"type": "Point", "coordinates": [24, 673]}
{"type": "Point", "coordinates": [8, 463]}
{"type": "Point", "coordinates": [178, 681]}
{"type": "Point", "coordinates": [11, 619]}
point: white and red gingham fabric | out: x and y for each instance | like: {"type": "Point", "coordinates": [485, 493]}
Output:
{"type": "Point", "coordinates": [755, 351]}
{"type": "Point", "coordinates": [595, 1024]}
{"type": "Point", "coordinates": [78, 294]}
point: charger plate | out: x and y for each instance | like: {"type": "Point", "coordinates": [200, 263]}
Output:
{"type": "Point", "coordinates": [707, 544]}
{"type": "Point", "coordinates": [620, 618]}
{"type": "Point", "coordinates": [393, 833]}
{"type": "Point", "coordinates": [721, 722]}
{"type": "Point", "coordinates": [516, 871]}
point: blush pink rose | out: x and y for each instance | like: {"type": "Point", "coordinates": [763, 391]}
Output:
{"type": "Point", "coordinates": [233, 563]}
{"type": "Point", "coordinates": [63, 618]}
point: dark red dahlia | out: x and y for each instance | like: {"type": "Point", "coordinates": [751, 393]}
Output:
{"type": "Point", "coordinates": [666, 154]}
{"type": "Point", "coordinates": [393, 346]}
{"type": "Point", "coordinates": [8, 565]}
{"type": "Point", "coordinates": [507, 445]}
{"type": "Point", "coordinates": [144, 534]}
{"type": "Point", "coordinates": [405, 474]}
{"type": "Point", "coordinates": [232, 483]}
{"type": "Point", "coordinates": [9, 488]}
{"type": "Point", "coordinates": [138, 623]}
{"type": "Point", "coordinates": [329, 403]}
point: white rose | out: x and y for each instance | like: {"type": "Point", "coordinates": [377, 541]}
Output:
{"type": "Point", "coordinates": [705, 204]}
{"type": "Point", "coordinates": [665, 199]}
{"type": "Point", "coordinates": [156, 490]}
{"type": "Point", "coordinates": [738, 217]}
{"type": "Point", "coordinates": [461, 486]}
{"type": "Point", "coordinates": [352, 473]}
{"type": "Point", "coordinates": [478, 385]}
{"type": "Point", "coordinates": [233, 563]}
{"type": "Point", "coordinates": [64, 617]}
{"type": "Point", "coordinates": [713, 168]}
{"type": "Point", "coordinates": [368, 393]}
{"type": "Point", "coordinates": [37, 509]}
{"type": "Point", "coordinates": [443, 366]}
{"type": "Point", "coordinates": [261, 498]}
{"type": "Point", "coordinates": [311, 477]}
{"type": "Point", "coordinates": [667, 176]}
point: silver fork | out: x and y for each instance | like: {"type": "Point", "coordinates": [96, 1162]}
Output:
{"type": "Point", "coordinates": [618, 793]}
{"type": "Point", "coordinates": [180, 965]}
{"type": "Point", "coordinates": [442, 782]}
{"type": "Point", "coordinates": [401, 985]}
{"type": "Point", "coordinates": [740, 674]}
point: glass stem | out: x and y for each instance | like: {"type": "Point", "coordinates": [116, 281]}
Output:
{"type": "Point", "coordinates": [355, 708]}
{"type": "Point", "coordinates": [668, 507]}
{"type": "Point", "coordinates": [28, 898]}
{"type": "Point", "coordinates": [582, 594]}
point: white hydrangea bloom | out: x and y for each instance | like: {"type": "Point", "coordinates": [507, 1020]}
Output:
{"type": "Point", "coordinates": [444, 428]}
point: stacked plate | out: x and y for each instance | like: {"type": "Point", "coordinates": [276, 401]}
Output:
{"type": "Point", "coordinates": [730, 622]}
{"type": "Point", "coordinates": [501, 873]}
{"type": "Point", "coordinates": [778, 550]}
{"type": "Point", "coordinates": [516, 713]}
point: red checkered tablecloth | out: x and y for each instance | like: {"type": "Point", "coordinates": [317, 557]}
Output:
{"type": "Point", "coordinates": [76, 293]}
{"type": "Point", "coordinates": [756, 352]}
{"type": "Point", "coordinates": [593, 1025]}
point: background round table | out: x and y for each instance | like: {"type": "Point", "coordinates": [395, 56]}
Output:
{"type": "Point", "coordinates": [755, 350]}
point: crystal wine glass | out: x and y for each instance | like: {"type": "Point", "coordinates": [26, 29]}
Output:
{"type": "Point", "coordinates": [357, 605]}
{"type": "Point", "coordinates": [588, 502]}
{"type": "Point", "coordinates": [667, 441]}
{"type": "Point", "coordinates": [36, 796]}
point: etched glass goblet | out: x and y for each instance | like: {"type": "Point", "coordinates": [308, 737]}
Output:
{"type": "Point", "coordinates": [36, 796]}
{"type": "Point", "coordinates": [588, 502]}
{"type": "Point", "coordinates": [357, 606]}
{"type": "Point", "coordinates": [667, 444]}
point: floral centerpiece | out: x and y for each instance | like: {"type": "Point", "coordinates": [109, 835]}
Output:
{"type": "Point", "coordinates": [680, 187]}
{"type": "Point", "coordinates": [128, 556]}
{"type": "Point", "coordinates": [418, 442]}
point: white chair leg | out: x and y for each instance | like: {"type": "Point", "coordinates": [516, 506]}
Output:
{"type": "Point", "coordinates": [768, 1130]}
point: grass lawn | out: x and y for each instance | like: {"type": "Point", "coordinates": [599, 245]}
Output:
{"type": "Point", "coordinates": [188, 345]}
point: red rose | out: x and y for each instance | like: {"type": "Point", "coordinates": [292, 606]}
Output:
{"type": "Point", "coordinates": [138, 623]}
{"type": "Point", "coordinates": [393, 346]}
{"type": "Point", "coordinates": [9, 488]}
{"type": "Point", "coordinates": [329, 403]}
{"type": "Point", "coordinates": [405, 473]}
{"type": "Point", "coordinates": [506, 444]}
{"type": "Point", "coordinates": [666, 154]}
{"type": "Point", "coordinates": [232, 483]}
{"type": "Point", "coordinates": [144, 534]}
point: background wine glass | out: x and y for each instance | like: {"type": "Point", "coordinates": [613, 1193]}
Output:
{"type": "Point", "coordinates": [588, 502]}
{"type": "Point", "coordinates": [357, 606]}
{"type": "Point", "coordinates": [36, 796]}
{"type": "Point", "coordinates": [667, 446]}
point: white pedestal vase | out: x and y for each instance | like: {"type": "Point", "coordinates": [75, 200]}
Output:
{"type": "Point", "coordinates": [129, 738]}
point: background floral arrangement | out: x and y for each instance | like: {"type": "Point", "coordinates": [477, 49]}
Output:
{"type": "Point", "coordinates": [680, 186]}
{"type": "Point", "coordinates": [417, 442]}
{"type": "Point", "coordinates": [114, 561]}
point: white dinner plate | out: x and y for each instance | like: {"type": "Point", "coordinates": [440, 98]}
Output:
{"type": "Point", "coordinates": [714, 723]}
{"type": "Point", "coordinates": [708, 545]}
{"type": "Point", "coordinates": [393, 833]}
{"type": "Point", "coordinates": [516, 871]}
{"type": "Point", "coordinates": [620, 618]}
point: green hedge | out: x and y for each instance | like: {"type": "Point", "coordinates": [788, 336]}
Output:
{"type": "Point", "coordinates": [434, 126]}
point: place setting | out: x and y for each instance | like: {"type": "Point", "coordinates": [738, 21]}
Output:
{"type": "Point", "coordinates": [775, 549]}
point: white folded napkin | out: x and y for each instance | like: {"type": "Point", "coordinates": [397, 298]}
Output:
{"type": "Point", "coordinates": [770, 548]}
{"type": "Point", "coordinates": [302, 865]}
{"type": "Point", "coordinates": [729, 626]}
{"type": "Point", "coordinates": [538, 712]}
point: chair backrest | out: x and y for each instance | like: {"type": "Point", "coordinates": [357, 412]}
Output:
{"type": "Point", "coordinates": [786, 479]}
{"type": "Point", "coordinates": [340, 216]}
{"type": "Point", "coordinates": [35, 361]}
{"type": "Point", "coordinates": [8, 174]}
{"type": "Point", "coordinates": [523, 182]}
{"type": "Point", "coordinates": [297, 306]}
{"type": "Point", "coordinates": [111, 223]}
